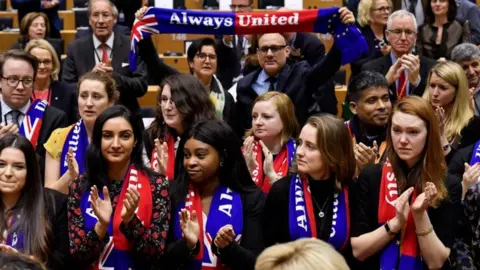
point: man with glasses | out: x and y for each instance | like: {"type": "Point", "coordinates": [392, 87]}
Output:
{"type": "Point", "coordinates": [299, 81]}
{"type": "Point", "coordinates": [468, 56]}
{"type": "Point", "coordinates": [19, 113]}
{"type": "Point", "coordinates": [108, 52]}
{"type": "Point", "coordinates": [232, 48]}
{"type": "Point", "coordinates": [406, 73]}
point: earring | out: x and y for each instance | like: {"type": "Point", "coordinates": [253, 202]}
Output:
{"type": "Point", "coordinates": [221, 163]}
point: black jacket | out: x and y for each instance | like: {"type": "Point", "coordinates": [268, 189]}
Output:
{"type": "Point", "coordinates": [64, 98]}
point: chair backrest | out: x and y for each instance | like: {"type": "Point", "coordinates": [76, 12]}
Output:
{"type": "Point", "coordinates": [3, 5]}
{"type": "Point", "coordinates": [80, 3]}
{"type": "Point", "coordinates": [6, 23]}
{"type": "Point", "coordinates": [81, 17]}
{"type": "Point", "coordinates": [62, 5]}
{"type": "Point", "coordinates": [57, 44]}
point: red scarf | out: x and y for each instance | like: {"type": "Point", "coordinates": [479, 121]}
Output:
{"type": "Point", "coordinates": [280, 165]}
{"type": "Point", "coordinates": [171, 157]}
{"type": "Point", "coordinates": [386, 211]}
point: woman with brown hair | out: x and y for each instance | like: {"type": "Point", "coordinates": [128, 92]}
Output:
{"type": "Point", "coordinates": [404, 215]}
{"type": "Point", "coordinates": [314, 200]}
{"type": "Point", "coordinates": [181, 102]}
{"type": "Point", "coordinates": [66, 148]}
{"type": "Point", "coordinates": [269, 146]}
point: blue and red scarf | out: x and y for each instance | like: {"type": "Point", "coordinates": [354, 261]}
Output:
{"type": "Point", "coordinates": [301, 214]}
{"type": "Point", "coordinates": [32, 122]}
{"type": "Point", "coordinates": [281, 164]}
{"type": "Point", "coordinates": [117, 253]}
{"type": "Point", "coordinates": [348, 38]}
{"type": "Point", "coordinates": [77, 138]}
{"type": "Point", "coordinates": [475, 154]}
{"type": "Point", "coordinates": [225, 208]}
{"type": "Point", "coordinates": [171, 157]}
{"type": "Point", "coordinates": [402, 253]}
{"type": "Point", "coordinates": [14, 238]}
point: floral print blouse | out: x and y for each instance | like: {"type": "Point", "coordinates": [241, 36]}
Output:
{"type": "Point", "coordinates": [149, 242]}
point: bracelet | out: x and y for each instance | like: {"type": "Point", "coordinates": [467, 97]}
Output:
{"type": "Point", "coordinates": [425, 232]}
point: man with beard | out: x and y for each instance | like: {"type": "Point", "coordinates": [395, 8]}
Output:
{"type": "Point", "coordinates": [467, 55]}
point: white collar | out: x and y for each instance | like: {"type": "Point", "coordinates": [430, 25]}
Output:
{"type": "Point", "coordinates": [97, 42]}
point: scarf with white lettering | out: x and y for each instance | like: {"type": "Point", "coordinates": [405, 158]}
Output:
{"type": "Point", "coordinates": [225, 208]}
{"type": "Point", "coordinates": [348, 38]}
{"type": "Point", "coordinates": [171, 157]}
{"type": "Point", "coordinates": [301, 214]}
{"type": "Point", "coordinates": [32, 122]}
{"type": "Point", "coordinates": [13, 237]}
{"type": "Point", "coordinates": [402, 253]}
{"type": "Point", "coordinates": [281, 164]}
{"type": "Point", "coordinates": [77, 138]}
{"type": "Point", "coordinates": [117, 253]}
{"type": "Point", "coordinates": [475, 154]}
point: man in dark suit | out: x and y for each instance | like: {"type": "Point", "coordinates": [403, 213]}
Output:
{"type": "Point", "coordinates": [299, 81]}
{"type": "Point", "coordinates": [106, 51]}
{"type": "Point", "coordinates": [406, 73]}
{"type": "Point", "coordinates": [17, 73]}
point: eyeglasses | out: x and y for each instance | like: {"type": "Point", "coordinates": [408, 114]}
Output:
{"type": "Point", "coordinates": [239, 7]}
{"type": "Point", "coordinates": [203, 56]}
{"type": "Point", "coordinates": [45, 62]}
{"type": "Point", "coordinates": [13, 81]}
{"type": "Point", "coordinates": [382, 9]}
{"type": "Point", "coordinates": [273, 48]}
{"type": "Point", "coordinates": [106, 16]}
{"type": "Point", "coordinates": [398, 32]}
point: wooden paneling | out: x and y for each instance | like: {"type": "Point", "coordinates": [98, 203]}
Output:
{"type": "Point", "coordinates": [10, 38]}
{"type": "Point", "coordinates": [68, 36]}
{"type": "Point", "coordinates": [150, 98]}
{"type": "Point", "coordinates": [174, 42]}
{"type": "Point", "coordinates": [179, 63]}
{"type": "Point", "coordinates": [313, 4]}
{"type": "Point", "coordinates": [67, 15]}
{"type": "Point", "coordinates": [193, 4]}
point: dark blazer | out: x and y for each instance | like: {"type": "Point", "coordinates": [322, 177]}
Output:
{"type": "Point", "coordinates": [310, 46]}
{"type": "Point", "coordinates": [229, 66]}
{"type": "Point", "coordinates": [81, 59]}
{"type": "Point", "coordinates": [372, 53]}
{"type": "Point", "coordinates": [384, 63]}
{"type": "Point", "coordinates": [299, 81]}
{"type": "Point", "coordinates": [64, 98]}
{"type": "Point", "coordinates": [56, 203]}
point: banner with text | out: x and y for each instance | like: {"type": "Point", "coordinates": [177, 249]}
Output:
{"type": "Point", "coordinates": [347, 38]}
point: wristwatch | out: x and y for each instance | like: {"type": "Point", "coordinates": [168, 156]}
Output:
{"type": "Point", "coordinates": [389, 231]}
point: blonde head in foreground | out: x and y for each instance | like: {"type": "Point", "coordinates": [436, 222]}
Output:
{"type": "Point", "coordinates": [302, 254]}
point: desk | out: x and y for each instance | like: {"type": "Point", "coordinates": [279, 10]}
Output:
{"type": "Point", "coordinates": [67, 15]}
{"type": "Point", "coordinates": [174, 42]}
{"type": "Point", "coordinates": [150, 98]}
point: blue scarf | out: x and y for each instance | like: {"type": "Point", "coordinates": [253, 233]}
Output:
{"type": "Point", "coordinates": [32, 122]}
{"type": "Point", "coordinates": [77, 138]}
{"type": "Point", "coordinates": [14, 238]}
{"type": "Point", "coordinates": [347, 38]}
{"type": "Point", "coordinates": [301, 214]}
{"type": "Point", "coordinates": [475, 154]}
{"type": "Point", "coordinates": [226, 208]}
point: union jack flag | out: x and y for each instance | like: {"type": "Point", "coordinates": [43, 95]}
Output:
{"type": "Point", "coordinates": [143, 28]}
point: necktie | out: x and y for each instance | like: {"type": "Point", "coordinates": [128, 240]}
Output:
{"type": "Point", "coordinates": [239, 45]}
{"type": "Point", "coordinates": [15, 117]}
{"type": "Point", "coordinates": [401, 87]}
{"type": "Point", "coordinates": [105, 57]}
{"type": "Point", "coordinates": [272, 81]}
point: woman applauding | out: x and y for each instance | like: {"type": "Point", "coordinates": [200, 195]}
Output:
{"type": "Point", "coordinates": [269, 146]}
{"type": "Point", "coordinates": [216, 206]}
{"type": "Point", "coordinates": [181, 102]}
{"type": "Point", "coordinates": [67, 146]}
{"type": "Point", "coordinates": [404, 214]}
{"type": "Point", "coordinates": [314, 201]}
{"type": "Point", "coordinates": [118, 212]}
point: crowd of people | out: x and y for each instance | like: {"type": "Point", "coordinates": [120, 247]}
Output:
{"type": "Point", "coordinates": [245, 164]}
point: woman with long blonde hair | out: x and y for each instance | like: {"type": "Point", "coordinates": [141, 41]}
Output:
{"type": "Point", "coordinates": [447, 92]}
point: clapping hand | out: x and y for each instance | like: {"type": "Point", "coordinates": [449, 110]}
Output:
{"type": "Point", "coordinates": [9, 128]}
{"type": "Point", "coordinates": [101, 208]}
{"type": "Point", "coordinates": [250, 155]}
{"type": "Point", "coordinates": [442, 119]}
{"type": "Point", "coordinates": [470, 176]}
{"type": "Point", "coordinates": [140, 13]}
{"type": "Point", "coordinates": [73, 170]}
{"type": "Point", "coordinates": [225, 236]}
{"type": "Point", "coordinates": [162, 156]}
{"type": "Point", "coordinates": [190, 227]}
{"type": "Point", "coordinates": [365, 155]}
{"type": "Point", "coordinates": [424, 200]}
{"type": "Point", "coordinates": [268, 164]}
{"type": "Point", "coordinates": [130, 204]}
